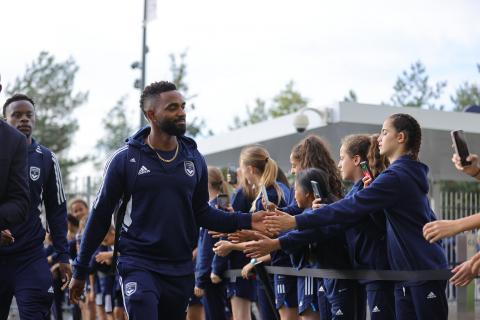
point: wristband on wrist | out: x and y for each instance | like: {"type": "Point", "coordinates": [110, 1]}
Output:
{"type": "Point", "coordinates": [254, 261]}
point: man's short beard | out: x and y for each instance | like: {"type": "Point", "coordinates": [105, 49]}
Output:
{"type": "Point", "coordinates": [171, 128]}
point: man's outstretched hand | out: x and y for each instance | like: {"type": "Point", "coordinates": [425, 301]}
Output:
{"type": "Point", "coordinates": [76, 290]}
{"type": "Point", "coordinates": [279, 221]}
{"type": "Point", "coordinates": [257, 221]}
{"type": "Point", "coordinates": [65, 274]}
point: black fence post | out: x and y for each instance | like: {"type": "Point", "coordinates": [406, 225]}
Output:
{"type": "Point", "coordinates": [267, 285]}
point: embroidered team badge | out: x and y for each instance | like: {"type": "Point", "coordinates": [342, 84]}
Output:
{"type": "Point", "coordinates": [189, 168]}
{"type": "Point", "coordinates": [130, 288]}
{"type": "Point", "coordinates": [34, 173]}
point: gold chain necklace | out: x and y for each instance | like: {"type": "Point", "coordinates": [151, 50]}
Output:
{"type": "Point", "coordinates": [159, 157]}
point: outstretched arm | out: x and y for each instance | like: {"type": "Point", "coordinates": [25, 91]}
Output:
{"type": "Point", "coordinates": [437, 230]}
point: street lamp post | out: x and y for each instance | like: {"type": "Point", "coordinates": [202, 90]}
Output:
{"type": "Point", "coordinates": [144, 58]}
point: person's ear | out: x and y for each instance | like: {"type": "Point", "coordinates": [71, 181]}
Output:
{"type": "Point", "coordinates": [357, 160]}
{"type": "Point", "coordinates": [401, 137]}
{"type": "Point", "coordinates": [150, 115]}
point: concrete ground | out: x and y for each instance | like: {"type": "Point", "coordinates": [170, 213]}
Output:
{"type": "Point", "coordinates": [452, 315]}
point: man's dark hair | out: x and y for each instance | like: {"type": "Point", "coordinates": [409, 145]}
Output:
{"type": "Point", "coordinates": [155, 89]}
{"type": "Point", "coordinates": [14, 98]}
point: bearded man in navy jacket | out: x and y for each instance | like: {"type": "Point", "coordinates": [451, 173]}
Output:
{"type": "Point", "coordinates": [167, 198]}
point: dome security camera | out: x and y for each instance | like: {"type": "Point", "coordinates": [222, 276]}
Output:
{"type": "Point", "coordinates": [301, 122]}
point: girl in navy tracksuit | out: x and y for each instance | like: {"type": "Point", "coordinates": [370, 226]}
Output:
{"type": "Point", "coordinates": [213, 294]}
{"type": "Point", "coordinates": [327, 250]}
{"type": "Point", "coordinates": [241, 292]}
{"type": "Point", "coordinates": [401, 192]}
{"type": "Point", "coordinates": [261, 171]}
{"type": "Point", "coordinates": [367, 239]}
{"type": "Point", "coordinates": [312, 152]}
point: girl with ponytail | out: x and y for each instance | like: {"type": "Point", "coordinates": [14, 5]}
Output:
{"type": "Point", "coordinates": [260, 170]}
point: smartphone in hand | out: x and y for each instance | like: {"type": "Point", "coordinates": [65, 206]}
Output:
{"type": "Point", "coordinates": [223, 202]}
{"type": "Point", "coordinates": [460, 146]}
{"type": "Point", "coordinates": [366, 170]}
{"type": "Point", "coordinates": [316, 189]}
{"type": "Point", "coordinates": [232, 178]}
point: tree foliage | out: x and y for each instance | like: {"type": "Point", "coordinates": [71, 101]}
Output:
{"type": "Point", "coordinates": [51, 85]}
{"type": "Point", "coordinates": [288, 100]}
{"type": "Point", "coordinates": [116, 129]}
{"type": "Point", "coordinates": [412, 89]}
{"type": "Point", "coordinates": [466, 95]}
{"type": "Point", "coordinates": [178, 67]}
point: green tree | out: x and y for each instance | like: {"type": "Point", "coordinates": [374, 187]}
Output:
{"type": "Point", "coordinates": [178, 67]}
{"type": "Point", "coordinates": [50, 83]}
{"type": "Point", "coordinates": [466, 95]}
{"type": "Point", "coordinates": [287, 101]}
{"type": "Point", "coordinates": [116, 130]}
{"type": "Point", "coordinates": [412, 89]}
{"type": "Point", "coordinates": [350, 97]}
{"type": "Point", "coordinates": [256, 114]}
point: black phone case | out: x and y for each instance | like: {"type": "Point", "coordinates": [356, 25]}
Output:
{"type": "Point", "coordinates": [461, 147]}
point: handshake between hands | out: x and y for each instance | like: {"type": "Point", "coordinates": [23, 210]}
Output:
{"type": "Point", "coordinates": [261, 241]}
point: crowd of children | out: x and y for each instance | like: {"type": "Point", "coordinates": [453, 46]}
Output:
{"type": "Point", "coordinates": [377, 224]}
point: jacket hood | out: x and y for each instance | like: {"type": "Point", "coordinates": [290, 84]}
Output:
{"type": "Point", "coordinates": [417, 170]}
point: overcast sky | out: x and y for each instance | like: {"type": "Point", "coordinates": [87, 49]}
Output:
{"type": "Point", "coordinates": [241, 50]}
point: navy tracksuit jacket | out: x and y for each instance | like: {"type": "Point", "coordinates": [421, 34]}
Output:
{"type": "Point", "coordinates": [167, 204]}
{"type": "Point", "coordinates": [14, 194]}
{"type": "Point", "coordinates": [25, 271]}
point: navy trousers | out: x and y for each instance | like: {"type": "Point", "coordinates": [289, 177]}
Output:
{"type": "Point", "coordinates": [423, 302]}
{"type": "Point", "coordinates": [149, 295]}
{"type": "Point", "coordinates": [28, 278]}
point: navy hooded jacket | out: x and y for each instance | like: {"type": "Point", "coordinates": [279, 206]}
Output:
{"type": "Point", "coordinates": [14, 195]}
{"type": "Point", "coordinates": [46, 187]}
{"type": "Point", "coordinates": [168, 202]}
{"type": "Point", "coordinates": [367, 242]}
{"type": "Point", "coordinates": [400, 192]}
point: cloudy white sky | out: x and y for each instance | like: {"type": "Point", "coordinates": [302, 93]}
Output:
{"type": "Point", "coordinates": [241, 50]}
